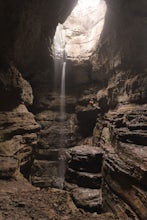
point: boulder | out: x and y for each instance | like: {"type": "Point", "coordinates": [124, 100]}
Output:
{"type": "Point", "coordinates": [86, 158]}
{"type": "Point", "coordinates": [88, 199]}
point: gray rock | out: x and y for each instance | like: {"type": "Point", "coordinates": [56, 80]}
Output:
{"type": "Point", "coordinates": [86, 158]}
{"type": "Point", "coordinates": [125, 165]}
{"type": "Point", "coordinates": [83, 179]}
{"type": "Point", "coordinates": [46, 174]}
{"type": "Point", "coordinates": [89, 199]}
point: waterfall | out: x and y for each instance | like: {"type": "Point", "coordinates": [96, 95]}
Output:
{"type": "Point", "coordinates": [62, 163]}
{"type": "Point", "coordinates": [60, 73]}
{"type": "Point", "coordinates": [62, 97]}
{"type": "Point", "coordinates": [59, 50]}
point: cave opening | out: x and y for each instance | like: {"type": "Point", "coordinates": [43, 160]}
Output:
{"type": "Point", "coordinates": [74, 43]}
{"type": "Point", "coordinates": [79, 34]}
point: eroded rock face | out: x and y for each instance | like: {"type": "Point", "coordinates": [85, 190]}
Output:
{"type": "Point", "coordinates": [9, 166]}
{"type": "Point", "coordinates": [56, 134]}
{"type": "Point", "coordinates": [18, 137]}
{"type": "Point", "coordinates": [122, 132]}
{"type": "Point", "coordinates": [83, 177]}
{"type": "Point", "coordinates": [14, 89]}
{"type": "Point", "coordinates": [25, 45]}
{"type": "Point", "coordinates": [125, 164]}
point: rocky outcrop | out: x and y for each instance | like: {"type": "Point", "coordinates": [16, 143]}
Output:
{"type": "Point", "coordinates": [25, 45]}
{"type": "Point", "coordinates": [9, 167]}
{"type": "Point", "coordinates": [56, 134]}
{"type": "Point", "coordinates": [83, 177]}
{"type": "Point", "coordinates": [18, 138]}
{"type": "Point", "coordinates": [13, 88]}
{"type": "Point", "coordinates": [119, 61]}
{"type": "Point", "coordinates": [18, 127]}
{"type": "Point", "coordinates": [125, 164]}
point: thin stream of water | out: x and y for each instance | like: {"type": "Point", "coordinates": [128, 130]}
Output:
{"type": "Point", "coordinates": [62, 163]}
{"type": "Point", "coordinates": [62, 96]}
{"type": "Point", "coordinates": [60, 68]}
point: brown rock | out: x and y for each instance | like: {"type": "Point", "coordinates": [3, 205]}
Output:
{"type": "Point", "coordinates": [9, 167]}
{"type": "Point", "coordinates": [83, 179]}
{"type": "Point", "coordinates": [86, 158]}
{"type": "Point", "coordinates": [89, 199]}
{"type": "Point", "coordinates": [125, 163]}
{"type": "Point", "coordinates": [50, 204]}
{"type": "Point", "coordinates": [18, 135]}
{"type": "Point", "coordinates": [56, 133]}
{"type": "Point", "coordinates": [17, 122]}
{"type": "Point", "coordinates": [14, 89]}
{"type": "Point", "coordinates": [46, 174]}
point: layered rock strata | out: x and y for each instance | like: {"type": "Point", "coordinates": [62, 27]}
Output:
{"type": "Point", "coordinates": [83, 177]}
{"type": "Point", "coordinates": [125, 164]}
{"type": "Point", "coordinates": [55, 136]}
{"type": "Point", "coordinates": [18, 127]}
{"type": "Point", "coordinates": [119, 63]}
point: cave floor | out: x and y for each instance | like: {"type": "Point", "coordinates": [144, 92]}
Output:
{"type": "Point", "coordinates": [36, 204]}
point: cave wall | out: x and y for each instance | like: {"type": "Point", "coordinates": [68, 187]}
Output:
{"type": "Point", "coordinates": [27, 30]}
{"type": "Point", "coordinates": [118, 126]}
{"type": "Point", "coordinates": [119, 62]}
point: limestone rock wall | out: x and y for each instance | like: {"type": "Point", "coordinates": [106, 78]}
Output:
{"type": "Point", "coordinates": [18, 127]}
{"type": "Point", "coordinates": [56, 134]}
{"type": "Point", "coordinates": [27, 30]}
{"type": "Point", "coordinates": [116, 80]}
{"type": "Point", "coordinates": [119, 63]}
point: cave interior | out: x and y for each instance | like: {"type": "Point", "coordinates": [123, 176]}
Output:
{"type": "Point", "coordinates": [73, 112]}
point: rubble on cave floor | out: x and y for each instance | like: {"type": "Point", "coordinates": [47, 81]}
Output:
{"type": "Point", "coordinates": [51, 204]}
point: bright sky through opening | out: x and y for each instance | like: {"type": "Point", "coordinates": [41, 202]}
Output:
{"type": "Point", "coordinates": [88, 3]}
{"type": "Point", "coordinates": [81, 31]}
